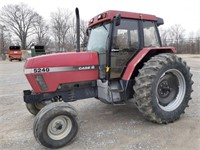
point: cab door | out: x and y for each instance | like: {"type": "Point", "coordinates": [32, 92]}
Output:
{"type": "Point", "coordinates": [124, 45]}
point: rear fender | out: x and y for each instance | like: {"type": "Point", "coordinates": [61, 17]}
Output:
{"type": "Point", "coordinates": [140, 57]}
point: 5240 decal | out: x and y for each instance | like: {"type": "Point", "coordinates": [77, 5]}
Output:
{"type": "Point", "coordinates": [38, 70]}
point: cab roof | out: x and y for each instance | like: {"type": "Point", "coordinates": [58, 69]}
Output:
{"type": "Point", "coordinates": [110, 14]}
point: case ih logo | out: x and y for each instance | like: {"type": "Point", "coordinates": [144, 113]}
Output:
{"type": "Point", "coordinates": [86, 67]}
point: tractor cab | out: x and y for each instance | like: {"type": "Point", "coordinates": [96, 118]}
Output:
{"type": "Point", "coordinates": [118, 36]}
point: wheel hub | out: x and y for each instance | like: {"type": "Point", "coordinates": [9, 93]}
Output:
{"type": "Point", "coordinates": [167, 88]}
{"type": "Point", "coordinates": [164, 89]}
{"type": "Point", "coordinates": [59, 127]}
{"type": "Point", "coordinates": [170, 90]}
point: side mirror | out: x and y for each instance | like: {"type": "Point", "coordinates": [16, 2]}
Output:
{"type": "Point", "coordinates": [117, 20]}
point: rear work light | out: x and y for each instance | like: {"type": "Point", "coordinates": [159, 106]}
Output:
{"type": "Point", "coordinates": [41, 82]}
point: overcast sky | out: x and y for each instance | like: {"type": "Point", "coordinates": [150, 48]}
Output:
{"type": "Point", "coordinates": [184, 12]}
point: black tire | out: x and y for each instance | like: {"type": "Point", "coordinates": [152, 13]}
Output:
{"type": "Point", "coordinates": [34, 108]}
{"type": "Point", "coordinates": [163, 88]}
{"type": "Point", "coordinates": [48, 125]}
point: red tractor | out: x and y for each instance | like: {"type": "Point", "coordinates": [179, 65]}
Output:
{"type": "Point", "coordinates": [124, 61]}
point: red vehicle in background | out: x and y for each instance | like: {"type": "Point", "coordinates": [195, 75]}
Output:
{"type": "Point", "coordinates": [15, 53]}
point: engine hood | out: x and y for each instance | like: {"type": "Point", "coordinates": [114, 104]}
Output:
{"type": "Point", "coordinates": [61, 68]}
{"type": "Point", "coordinates": [72, 59]}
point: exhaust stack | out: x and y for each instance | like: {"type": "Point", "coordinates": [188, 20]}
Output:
{"type": "Point", "coordinates": [77, 30]}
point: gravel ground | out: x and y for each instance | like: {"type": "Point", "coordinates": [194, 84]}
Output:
{"type": "Point", "coordinates": [101, 126]}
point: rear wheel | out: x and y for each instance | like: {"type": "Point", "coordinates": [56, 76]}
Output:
{"type": "Point", "coordinates": [56, 125]}
{"type": "Point", "coordinates": [163, 88]}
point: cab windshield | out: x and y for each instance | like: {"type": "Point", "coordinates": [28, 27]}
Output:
{"type": "Point", "coordinates": [98, 38]}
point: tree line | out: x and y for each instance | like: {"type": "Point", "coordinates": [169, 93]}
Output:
{"type": "Point", "coordinates": [21, 25]}
{"type": "Point", "coordinates": [176, 36]}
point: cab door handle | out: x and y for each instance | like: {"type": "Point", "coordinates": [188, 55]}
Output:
{"type": "Point", "coordinates": [115, 50]}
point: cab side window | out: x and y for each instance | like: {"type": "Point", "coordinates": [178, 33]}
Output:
{"type": "Point", "coordinates": [150, 34]}
{"type": "Point", "coordinates": [126, 36]}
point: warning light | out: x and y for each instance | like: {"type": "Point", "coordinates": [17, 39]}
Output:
{"type": "Point", "coordinates": [101, 16]}
{"type": "Point", "coordinates": [92, 20]}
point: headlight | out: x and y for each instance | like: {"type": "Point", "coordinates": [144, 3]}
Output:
{"type": "Point", "coordinates": [40, 80]}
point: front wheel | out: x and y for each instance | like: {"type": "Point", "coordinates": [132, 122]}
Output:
{"type": "Point", "coordinates": [56, 125]}
{"type": "Point", "coordinates": [163, 88]}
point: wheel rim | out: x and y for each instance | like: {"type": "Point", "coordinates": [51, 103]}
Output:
{"type": "Point", "coordinates": [170, 90]}
{"type": "Point", "coordinates": [59, 127]}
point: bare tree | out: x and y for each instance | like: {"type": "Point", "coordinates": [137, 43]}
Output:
{"type": "Point", "coordinates": [84, 37]}
{"type": "Point", "coordinates": [5, 39]}
{"type": "Point", "coordinates": [41, 31]}
{"type": "Point", "coordinates": [71, 38]}
{"type": "Point", "coordinates": [60, 22]}
{"type": "Point", "coordinates": [2, 39]}
{"type": "Point", "coordinates": [191, 43]}
{"type": "Point", "coordinates": [176, 32]}
{"type": "Point", "coordinates": [19, 19]}
{"type": "Point", "coordinates": [164, 34]}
